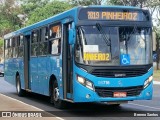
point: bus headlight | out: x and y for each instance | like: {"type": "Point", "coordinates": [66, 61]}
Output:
{"type": "Point", "coordinates": [85, 82]}
{"type": "Point", "coordinates": [81, 80]}
{"type": "Point", "coordinates": [148, 81]}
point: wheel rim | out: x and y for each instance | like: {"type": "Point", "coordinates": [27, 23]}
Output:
{"type": "Point", "coordinates": [56, 94]}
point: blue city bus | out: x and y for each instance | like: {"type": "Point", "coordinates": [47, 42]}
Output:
{"type": "Point", "coordinates": [86, 54]}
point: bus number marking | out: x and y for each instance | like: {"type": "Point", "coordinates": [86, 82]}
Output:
{"type": "Point", "coordinates": [93, 15]}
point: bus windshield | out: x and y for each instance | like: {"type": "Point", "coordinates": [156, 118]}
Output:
{"type": "Point", "coordinates": [101, 45]}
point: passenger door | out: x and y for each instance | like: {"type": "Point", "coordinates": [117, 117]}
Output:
{"type": "Point", "coordinates": [67, 63]}
{"type": "Point", "coordinates": [27, 62]}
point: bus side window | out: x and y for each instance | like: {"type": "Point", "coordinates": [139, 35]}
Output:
{"type": "Point", "coordinates": [6, 48]}
{"type": "Point", "coordinates": [55, 31]}
{"type": "Point", "coordinates": [20, 45]}
{"type": "Point", "coordinates": [56, 46]}
{"type": "Point", "coordinates": [34, 43]}
{"type": "Point", "coordinates": [43, 44]}
{"type": "Point", "coordinates": [15, 49]}
{"type": "Point", "coordinates": [10, 48]}
{"type": "Point", "coordinates": [55, 39]}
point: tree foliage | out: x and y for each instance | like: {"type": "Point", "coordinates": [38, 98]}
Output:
{"type": "Point", "coordinates": [8, 16]}
{"type": "Point", "coordinates": [85, 2]}
{"type": "Point", "coordinates": [48, 10]}
{"type": "Point", "coordinates": [31, 10]}
{"type": "Point", "coordinates": [28, 6]}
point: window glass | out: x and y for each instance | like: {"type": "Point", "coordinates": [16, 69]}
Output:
{"type": "Point", "coordinates": [21, 40]}
{"type": "Point", "coordinates": [97, 45]}
{"type": "Point", "coordinates": [6, 53]}
{"type": "Point", "coordinates": [55, 31]}
{"type": "Point", "coordinates": [34, 36]}
{"type": "Point", "coordinates": [44, 34]}
{"type": "Point", "coordinates": [20, 44]}
{"type": "Point", "coordinates": [6, 44]}
{"type": "Point", "coordinates": [10, 43]}
{"type": "Point", "coordinates": [43, 45]}
{"type": "Point", "coordinates": [43, 48]}
{"type": "Point", "coordinates": [10, 52]}
{"type": "Point", "coordinates": [34, 43]}
{"type": "Point", "coordinates": [34, 49]}
{"type": "Point", "coordinates": [15, 52]}
{"type": "Point", "coordinates": [20, 51]}
{"type": "Point", "coordinates": [135, 41]}
{"type": "Point", "coordinates": [55, 46]}
{"type": "Point", "coordinates": [14, 42]}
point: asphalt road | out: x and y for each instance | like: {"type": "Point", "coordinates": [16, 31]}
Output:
{"type": "Point", "coordinates": [89, 111]}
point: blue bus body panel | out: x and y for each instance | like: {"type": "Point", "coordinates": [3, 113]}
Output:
{"type": "Point", "coordinates": [43, 72]}
{"type": "Point", "coordinates": [41, 69]}
{"type": "Point", "coordinates": [11, 67]}
{"type": "Point", "coordinates": [34, 74]}
{"type": "Point", "coordinates": [81, 91]}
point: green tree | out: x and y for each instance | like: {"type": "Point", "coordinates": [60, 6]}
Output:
{"type": "Point", "coordinates": [139, 3]}
{"type": "Point", "coordinates": [85, 2]}
{"type": "Point", "coordinates": [9, 21]}
{"type": "Point", "coordinates": [48, 10]}
{"type": "Point", "coordinates": [28, 6]}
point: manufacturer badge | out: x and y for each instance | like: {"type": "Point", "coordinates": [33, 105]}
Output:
{"type": "Point", "coordinates": [120, 83]}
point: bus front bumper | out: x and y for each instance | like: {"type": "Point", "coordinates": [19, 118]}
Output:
{"type": "Point", "coordinates": [83, 94]}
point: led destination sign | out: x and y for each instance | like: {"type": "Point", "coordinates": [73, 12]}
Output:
{"type": "Point", "coordinates": [111, 14]}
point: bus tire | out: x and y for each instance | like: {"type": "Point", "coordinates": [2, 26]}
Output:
{"type": "Point", "coordinates": [60, 104]}
{"type": "Point", "coordinates": [20, 91]}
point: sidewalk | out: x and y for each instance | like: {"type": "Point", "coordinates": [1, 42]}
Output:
{"type": "Point", "coordinates": [9, 106]}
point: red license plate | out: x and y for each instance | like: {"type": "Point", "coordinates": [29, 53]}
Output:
{"type": "Point", "coordinates": [119, 94]}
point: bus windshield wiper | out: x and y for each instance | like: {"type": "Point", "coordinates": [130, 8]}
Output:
{"type": "Point", "coordinates": [105, 37]}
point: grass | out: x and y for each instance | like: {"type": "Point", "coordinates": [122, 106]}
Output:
{"type": "Point", "coordinates": [156, 75]}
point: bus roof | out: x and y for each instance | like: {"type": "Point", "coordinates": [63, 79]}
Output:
{"type": "Point", "coordinates": [72, 12]}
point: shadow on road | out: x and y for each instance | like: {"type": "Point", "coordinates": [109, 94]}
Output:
{"type": "Point", "coordinates": [77, 109]}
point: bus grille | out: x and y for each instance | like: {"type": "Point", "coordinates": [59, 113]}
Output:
{"type": "Point", "coordinates": [119, 73]}
{"type": "Point", "coordinates": [108, 92]}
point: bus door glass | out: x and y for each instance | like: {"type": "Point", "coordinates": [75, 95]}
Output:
{"type": "Point", "coordinates": [26, 61]}
{"type": "Point", "coordinates": [67, 61]}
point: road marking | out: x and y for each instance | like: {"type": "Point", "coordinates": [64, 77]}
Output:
{"type": "Point", "coordinates": [145, 106]}
{"type": "Point", "coordinates": [29, 105]}
{"type": "Point", "coordinates": [156, 82]}
{"type": "Point", "coordinates": [59, 118]}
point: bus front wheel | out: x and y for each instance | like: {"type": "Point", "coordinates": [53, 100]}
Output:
{"type": "Point", "coordinates": [55, 97]}
{"type": "Point", "coordinates": [20, 91]}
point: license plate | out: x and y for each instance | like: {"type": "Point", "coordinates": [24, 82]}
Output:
{"type": "Point", "coordinates": [119, 94]}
